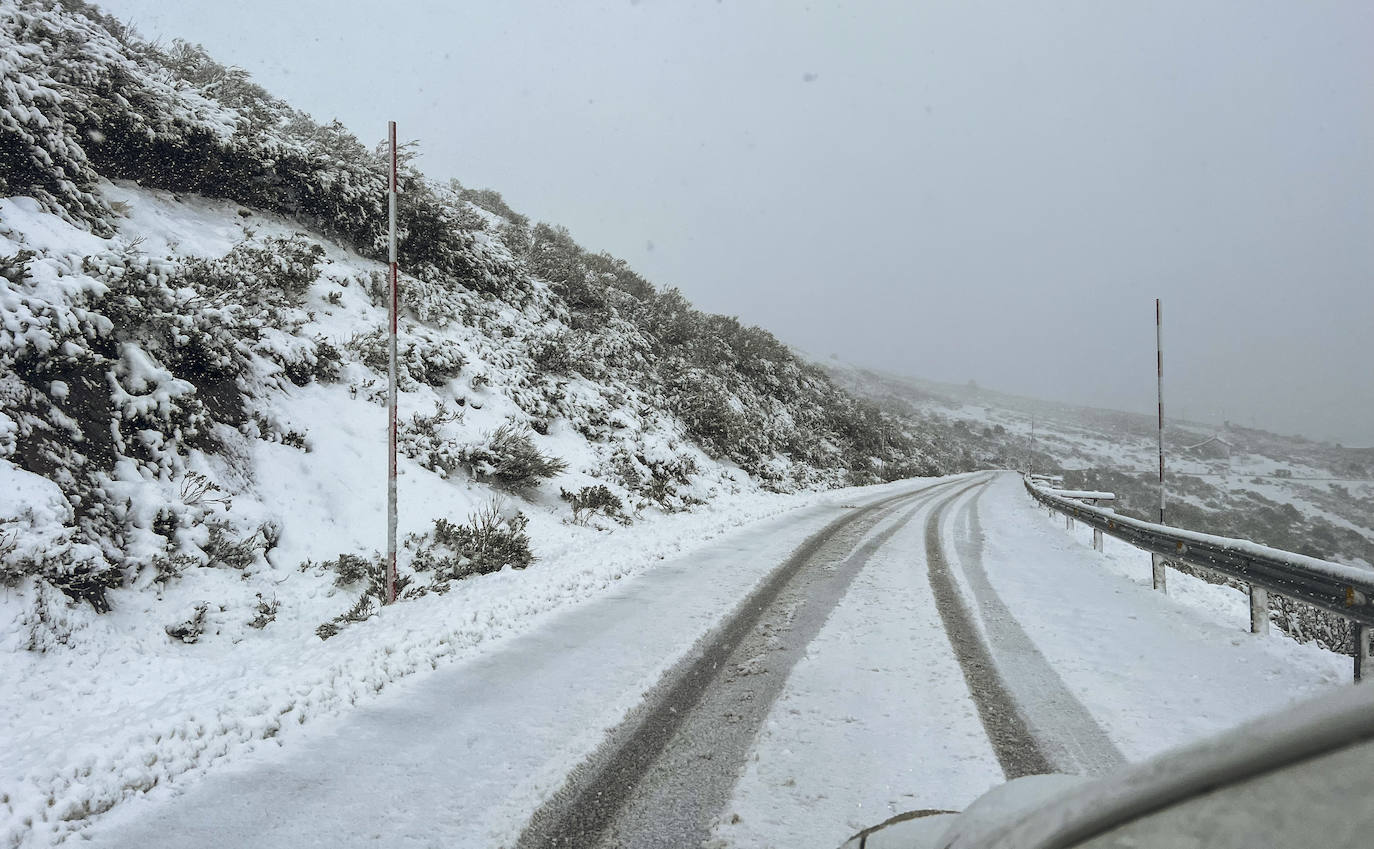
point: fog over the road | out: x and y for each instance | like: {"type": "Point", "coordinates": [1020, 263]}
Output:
{"type": "Point", "coordinates": [953, 190]}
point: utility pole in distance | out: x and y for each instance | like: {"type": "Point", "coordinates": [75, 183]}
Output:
{"type": "Point", "coordinates": [391, 377]}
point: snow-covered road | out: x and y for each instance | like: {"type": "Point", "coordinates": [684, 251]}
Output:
{"type": "Point", "coordinates": [785, 685]}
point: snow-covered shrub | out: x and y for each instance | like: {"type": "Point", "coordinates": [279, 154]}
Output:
{"type": "Point", "coordinates": [190, 630]}
{"type": "Point", "coordinates": [349, 569]}
{"type": "Point", "coordinates": [39, 155]}
{"type": "Point", "coordinates": [9, 540]}
{"type": "Point", "coordinates": [363, 608]}
{"type": "Point", "coordinates": [273, 271]}
{"type": "Point", "coordinates": [655, 471]}
{"type": "Point", "coordinates": [321, 361]}
{"type": "Point", "coordinates": [554, 354]}
{"type": "Point", "coordinates": [86, 97]}
{"type": "Point", "coordinates": [50, 620]}
{"type": "Point", "coordinates": [717, 421]}
{"type": "Point", "coordinates": [491, 201]}
{"type": "Point", "coordinates": [508, 457]}
{"type": "Point", "coordinates": [265, 613]}
{"type": "Point", "coordinates": [223, 548]}
{"type": "Point", "coordinates": [169, 566]}
{"type": "Point", "coordinates": [423, 356]}
{"type": "Point", "coordinates": [15, 268]}
{"type": "Point", "coordinates": [492, 539]}
{"type": "Point", "coordinates": [422, 438]}
{"type": "Point", "coordinates": [110, 359]}
{"type": "Point", "coordinates": [592, 500]}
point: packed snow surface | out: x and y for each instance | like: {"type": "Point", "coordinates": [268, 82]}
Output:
{"type": "Point", "coordinates": [602, 620]}
{"type": "Point", "coordinates": [875, 720]}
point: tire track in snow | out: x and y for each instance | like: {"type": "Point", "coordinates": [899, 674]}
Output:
{"type": "Point", "coordinates": [1068, 734]}
{"type": "Point", "coordinates": [668, 770]}
{"type": "Point", "coordinates": [1017, 751]}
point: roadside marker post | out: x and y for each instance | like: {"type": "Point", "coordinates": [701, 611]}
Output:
{"type": "Point", "coordinates": [1259, 610]}
{"type": "Point", "coordinates": [1157, 565]}
{"type": "Point", "coordinates": [391, 377]}
{"type": "Point", "coordinates": [1364, 651]}
{"type": "Point", "coordinates": [1159, 368]}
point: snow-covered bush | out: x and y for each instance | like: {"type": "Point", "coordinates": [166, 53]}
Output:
{"type": "Point", "coordinates": [367, 604]}
{"type": "Point", "coordinates": [654, 470]}
{"type": "Point", "coordinates": [349, 569]}
{"type": "Point", "coordinates": [321, 361]}
{"type": "Point", "coordinates": [265, 613]}
{"type": "Point", "coordinates": [509, 457]}
{"type": "Point", "coordinates": [423, 356]}
{"type": "Point", "coordinates": [190, 630]}
{"type": "Point", "coordinates": [492, 539]}
{"type": "Point", "coordinates": [592, 500]}
{"type": "Point", "coordinates": [554, 354]}
{"type": "Point", "coordinates": [425, 438]}
{"type": "Point", "coordinates": [274, 271]}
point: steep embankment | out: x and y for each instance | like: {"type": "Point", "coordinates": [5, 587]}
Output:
{"type": "Point", "coordinates": [193, 334]}
{"type": "Point", "coordinates": [192, 429]}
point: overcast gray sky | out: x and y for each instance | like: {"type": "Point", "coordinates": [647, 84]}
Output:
{"type": "Point", "coordinates": [954, 190]}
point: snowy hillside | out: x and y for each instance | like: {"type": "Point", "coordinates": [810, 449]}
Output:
{"type": "Point", "coordinates": [192, 347]}
{"type": "Point", "coordinates": [192, 420]}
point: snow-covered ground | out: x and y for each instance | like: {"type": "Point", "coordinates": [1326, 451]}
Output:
{"type": "Point", "coordinates": [876, 720]}
{"type": "Point", "coordinates": [548, 661]}
{"type": "Point", "coordinates": [511, 680]}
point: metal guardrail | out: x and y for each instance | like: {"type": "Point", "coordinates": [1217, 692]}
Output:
{"type": "Point", "coordinates": [1333, 587]}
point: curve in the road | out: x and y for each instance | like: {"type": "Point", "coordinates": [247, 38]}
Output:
{"type": "Point", "coordinates": [1016, 748]}
{"type": "Point", "coordinates": [703, 718]}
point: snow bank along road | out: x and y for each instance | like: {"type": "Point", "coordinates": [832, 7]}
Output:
{"type": "Point", "coordinates": [907, 653]}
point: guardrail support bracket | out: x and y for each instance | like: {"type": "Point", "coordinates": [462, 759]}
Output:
{"type": "Point", "coordinates": [1364, 651]}
{"type": "Point", "coordinates": [1157, 572]}
{"type": "Point", "coordinates": [1097, 539]}
{"type": "Point", "coordinates": [1259, 610]}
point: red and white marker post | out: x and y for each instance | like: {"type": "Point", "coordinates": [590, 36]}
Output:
{"type": "Point", "coordinates": [1158, 571]}
{"type": "Point", "coordinates": [1159, 366]}
{"type": "Point", "coordinates": [391, 378]}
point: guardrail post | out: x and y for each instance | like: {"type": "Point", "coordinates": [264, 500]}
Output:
{"type": "Point", "coordinates": [1068, 522]}
{"type": "Point", "coordinates": [1364, 650]}
{"type": "Point", "coordinates": [1157, 572]}
{"type": "Point", "coordinates": [1259, 610]}
{"type": "Point", "coordinates": [1097, 539]}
